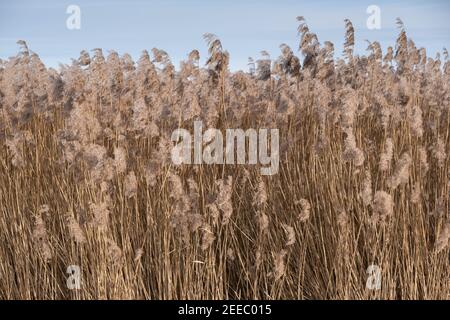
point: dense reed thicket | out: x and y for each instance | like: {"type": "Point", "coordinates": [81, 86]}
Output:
{"type": "Point", "coordinates": [86, 176]}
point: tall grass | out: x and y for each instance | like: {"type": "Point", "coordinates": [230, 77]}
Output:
{"type": "Point", "coordinates": [86, 177]}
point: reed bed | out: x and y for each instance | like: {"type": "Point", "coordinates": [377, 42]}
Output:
{"type": "Point", "coordinates": [86, 176]}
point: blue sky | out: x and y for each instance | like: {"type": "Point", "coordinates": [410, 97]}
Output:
{"type": "Point", "coordinates": [245, 26]}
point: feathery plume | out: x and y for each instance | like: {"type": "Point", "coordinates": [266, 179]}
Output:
{"type": "Point", "coordinates": [223, 200]}
{"type": "Point", "coordinates": [207, 237]}
{"type": "Point", "coordinates": [40, 237]}
{"type": "Point", "coordinates": [401, 172]}
{"type": "Point", "coordinates": [383, 207]}
{"type": "Point", "coordinates": [74, 229]}
{"type": "Point", "coordinates": [443, 239]}
{"type": "Point", "coordinates": [120, 160]}
{"type": "Point", "coordinates": [101, 214]}
{"type": "Point", "coordinates": [438, 152]}
{"type": "Point", "coordinates": [130, 185]}
{"type": "Point", "coordinates": [305, 209]}
{"type": "Point", "coordinates": [290, 234]}
{"type": "Point", "coordinates": [386, 156]}
{"type": "Point", "coordinates": [279, 264]}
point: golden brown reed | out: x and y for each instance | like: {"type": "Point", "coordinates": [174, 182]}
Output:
{"type": "Point", "coordinates": [86, 177]}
